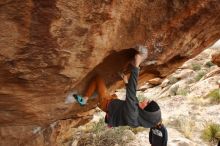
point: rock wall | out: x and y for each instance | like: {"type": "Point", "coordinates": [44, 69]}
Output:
{"type": "Point", "coordinates": [216, 58]}
{"type": "Point", "coordinates": [50, 48]}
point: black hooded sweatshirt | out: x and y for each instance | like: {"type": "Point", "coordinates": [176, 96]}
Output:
{"type": "Point", "coordinates": [127, 112]}
{"type": "Point", "coordinates": [158, 136]}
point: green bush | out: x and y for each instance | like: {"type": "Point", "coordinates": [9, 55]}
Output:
{"type": "Point", "coordinates": [214, 95]}
{"type": "Point", "coordinates": [173, 80]}
{"type": "Point", "coordinates": [196, 66]}
{"type": "Point", "coordinates": [182, 91]}
{"type": "Point", "coordinates": [211, 132]}
{"type": "Point", "coordinates": [199, 75]}
{"type": "Point", "coordinates": [209, 64]}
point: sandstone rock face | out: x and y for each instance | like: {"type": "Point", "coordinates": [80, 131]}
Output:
{"type": "Point", "coordinates": [50, 48]}
{"type": "Point", "coordinates": [216, 59]}
{"type": "Point", "coordinates": [155, 81]}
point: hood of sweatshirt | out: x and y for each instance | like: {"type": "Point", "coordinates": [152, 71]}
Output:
{"type": "Point", "coordinates": [149, 119]}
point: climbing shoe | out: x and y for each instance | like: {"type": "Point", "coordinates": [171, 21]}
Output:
{"type": "Point", "coordinates": [79, 99]}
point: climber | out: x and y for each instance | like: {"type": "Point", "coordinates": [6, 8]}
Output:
{"type": "Point", "coordinates": [130, 111]}
{"type": "Point", "coordinates": [158, 135]}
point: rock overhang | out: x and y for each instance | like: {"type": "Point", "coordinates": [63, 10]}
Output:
{"type": "Point", "coordinates": [50, 48]}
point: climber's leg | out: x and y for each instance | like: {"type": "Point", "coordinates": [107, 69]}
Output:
{"type": "Point", "coordinates": [99, 86]}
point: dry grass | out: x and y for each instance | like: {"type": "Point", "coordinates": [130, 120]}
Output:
{"type": "Point", "coordinates": [99, 135]}
{"type": "Point", "coordinates": [183, 124]}
{"type": "Point", "coordinates": [186, 126]}
{"type": "Point", "coordinates": [137, 130]}
{"type": "Point", "coordinates": [199, 101]}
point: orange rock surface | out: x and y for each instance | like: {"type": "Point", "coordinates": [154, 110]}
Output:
{"type": "Point", "coordinates": [49, 48]}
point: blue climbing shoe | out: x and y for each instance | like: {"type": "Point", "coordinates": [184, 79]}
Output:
{"type": "Point", "coordinates": [79, 99]}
